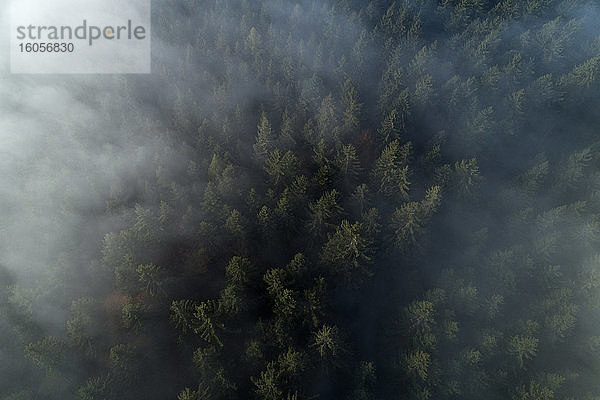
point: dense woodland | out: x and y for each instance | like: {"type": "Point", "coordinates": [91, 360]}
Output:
{"type": "Point", "coordinates": [344, 200]}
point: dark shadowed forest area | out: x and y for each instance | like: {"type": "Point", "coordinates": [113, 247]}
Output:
{"type": "Point", "coordinates": [310, 200]}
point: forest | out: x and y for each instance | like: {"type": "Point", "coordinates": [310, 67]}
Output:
{"type": "Point", "coordinates": [316, 199]}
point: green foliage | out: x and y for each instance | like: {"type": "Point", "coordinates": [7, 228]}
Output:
{"type": "Point", "coordinates": [421, 316]}
{"type": "Point", "coordinates": [95, 388]}
{"type": "Point", "coordinates": [466, 177]}
{"type": "Point", "coordinates": [323, 212]}
{"type": "Point", "coordinates": [328, 343]}
{"type": "Point", "coordinates": [541, 389]}
{"type": "Point", "coordinates": [266, 384]}
{"type": "Point", "coordinates": [182, 314]}
{"type": "Point", "coordinates": [409, 221]}
{"type": "Point", "coordinates": [316, 190]}
{"type": "Point", "coordinates": [523, 348]}
{"type": "Point", "coordinates": [187, 394]}
{"type": "Point", "coordinates": [284, 301]}
{"type": "Point", "coordinates": [352, 107]}
{"type": "Point", "coordinates": [152, 277]}
{"type": "Point", "coordinates": [49, 353]}
{"type": "Point", "coordinates": [349, 251]}
{"type": "Point", "coordinates": [133, 315]}
{"type": "Point", "coordinates": [326, 118]}
{"type": "Point", "coordinates": [281, 168]}
{"type": "Point", "coordinates": [391, 171]}
{"type": "Point", "coordinates": [206, 315]}
{"type": "Point", "coordinates": [417, 363]}
{"type": "Point", "coordinates": [84, 327]}
{"type": "Point", "coordinates": [348, 163]}
{"type": "Point", "coordinates": [239, 271]}
{"type": "Point", "coordinates": [265, 140]}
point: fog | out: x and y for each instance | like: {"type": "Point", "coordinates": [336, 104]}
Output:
{"type": "Point", "coordinates": [102, 176]}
